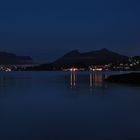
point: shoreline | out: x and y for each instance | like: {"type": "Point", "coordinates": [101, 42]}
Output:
{"type": "Point", "coordinates": [128, 78]}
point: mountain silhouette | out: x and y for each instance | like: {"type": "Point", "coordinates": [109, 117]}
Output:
{"type": "Point", "coordinates": [98, 57]}
{"type": "Point", "coordinates": [83, 60]}
{"type": "Point", "coordinates": [13, 59]}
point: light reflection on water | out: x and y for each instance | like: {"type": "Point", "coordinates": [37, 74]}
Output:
{"type": "Point", "coordinates": [97, 79]}
{"type": "Point", "coordinates": [93, 79]}
{"type": "Point", "coordinates": [73, 79]}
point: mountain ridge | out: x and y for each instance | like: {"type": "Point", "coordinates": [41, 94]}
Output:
{"type": "Point", "coordinates": [97, 57]}
{"type": "Point", "coordinates": [7, 58]}
{"type": "Point", "coordinates": [83, 60]}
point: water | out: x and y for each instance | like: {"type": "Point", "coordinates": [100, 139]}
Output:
{"type": "Point", "coordinates": [67, 106]}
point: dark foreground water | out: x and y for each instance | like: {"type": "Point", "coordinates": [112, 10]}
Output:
{"type": "Point", "coordinates": [67, 106]}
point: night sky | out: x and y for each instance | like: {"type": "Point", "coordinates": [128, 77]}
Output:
{"type": "Point", "coordinates": [46, 29]}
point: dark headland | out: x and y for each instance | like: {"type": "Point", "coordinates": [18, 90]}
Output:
{"type": "Point", "coordinates": [129, 78]}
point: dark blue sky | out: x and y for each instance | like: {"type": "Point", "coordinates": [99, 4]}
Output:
{"type": "Point", "coordinates": [47, 29]}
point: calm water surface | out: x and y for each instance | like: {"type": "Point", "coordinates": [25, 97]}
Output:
{"type": "Point", "coordinates": [67, 106]}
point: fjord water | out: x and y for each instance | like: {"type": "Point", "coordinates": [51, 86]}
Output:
{"type": "Point", "coordinates": [67, 106]}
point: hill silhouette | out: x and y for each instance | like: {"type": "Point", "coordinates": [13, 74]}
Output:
{"type": "Point", "coordinates": [99, 57]}
{"type": "Point", "coordinates": [13, 59]}
{"type": "Point", "coordinates": [83, 60]}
